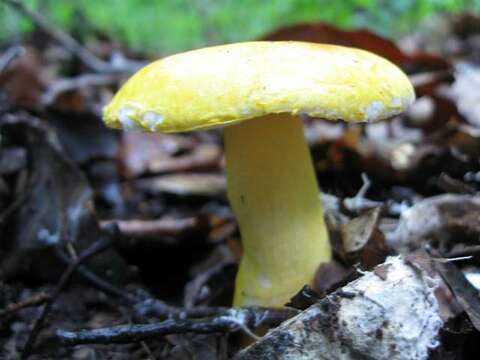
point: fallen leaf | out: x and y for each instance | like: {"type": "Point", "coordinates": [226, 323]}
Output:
{"type": "Point", "coordinates": [364, 39]}
{"type": "Point", "coordinates": [184, 184]}
{"type": "Point", "coordinates": [55, 208]}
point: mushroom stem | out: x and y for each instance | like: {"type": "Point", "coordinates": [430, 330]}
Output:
{"type": "Point", "coordinates": [273, 191]}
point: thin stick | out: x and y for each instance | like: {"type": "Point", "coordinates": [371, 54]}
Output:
{"type": "Point", "coordinates": [10, 55]}
{"type": "Point", "coordinates": [236, 319]}
{"type": "Point", "coordinates": [95, 280]}
{"type": "Point", "coordinates": [94, 249]}
{"type": "Point", "coordinates": [80, 82]}
{"type": "Point", "coordinates": [72, 45]}
{"type": "Point", "coordinates": [34, 300]}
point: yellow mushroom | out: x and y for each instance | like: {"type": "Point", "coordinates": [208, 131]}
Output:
{"type": "Point", "coordinates": [258, 89]}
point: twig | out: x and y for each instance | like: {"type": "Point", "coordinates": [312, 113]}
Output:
{"type": "Point", "coordinates": [154, 307]}
{"type": "Point", "coordinates": [72, 45]}
{"type": "Point", "coordinates": [94, 249]}
{"type": "Point", "coordinates": [193, 288]}
{"type": "Point", "coordinates": [10, 55]}
{"type": "Point", "coordinates": [472, 250]}
{"type": "Point", "coordinates": [153, 229]}
{"type": "Point", "coordinates": [13, 207]}
{"type": "Point", "coordinates": [232, 320]}
{"type": "Point", "coordinates": [452, 185]}
{"type": "Point", "coordinates": [34, 300]}
{"type": "Point", "coordinates": [359, 201]}
{"type": "Point", "coordinates": [133, 333]}
{"type": "Point", "coordinates": [82, 81]}
{"type": "Point", "coordinates": [452, 259]}
{"type": "Point", "coordinates": [147, 350]}
{"type": "Point", "coordinates": [95, 280]}
{"type": "Point", "coordinates": [143, 303]}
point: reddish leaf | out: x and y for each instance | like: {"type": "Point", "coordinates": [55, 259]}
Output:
{"type": "Point", "coordinates": [364, 39]}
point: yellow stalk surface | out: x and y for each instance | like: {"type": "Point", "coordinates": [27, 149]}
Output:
{"type": "Point", "coordinates": [274, 193]}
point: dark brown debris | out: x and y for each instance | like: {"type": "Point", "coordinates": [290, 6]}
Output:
{"type": "Point", "coordinates": [162, 288]}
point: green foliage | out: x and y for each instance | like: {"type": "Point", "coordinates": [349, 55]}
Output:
{"type": "Point", "coordinates": [166, 26]}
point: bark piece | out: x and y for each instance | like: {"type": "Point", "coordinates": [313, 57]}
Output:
{"type": "Point", "coordinates": [391, 317]}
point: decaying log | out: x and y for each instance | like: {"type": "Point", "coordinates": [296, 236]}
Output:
{"type": "Point", "coordinates": [389, 313]}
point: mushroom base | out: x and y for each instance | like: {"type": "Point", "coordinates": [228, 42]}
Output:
{"type": "Point", "coordinates": [274, 194]}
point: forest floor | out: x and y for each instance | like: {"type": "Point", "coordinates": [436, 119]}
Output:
{"type": "Point", "coordinates": [101, 228]}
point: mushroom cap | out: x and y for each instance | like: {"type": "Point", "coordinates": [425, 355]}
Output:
{"type": "Point", "coordinates": [221, 85]}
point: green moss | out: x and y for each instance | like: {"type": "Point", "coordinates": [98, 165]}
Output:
{"type": "Point", "coordinates": [166, 26]}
